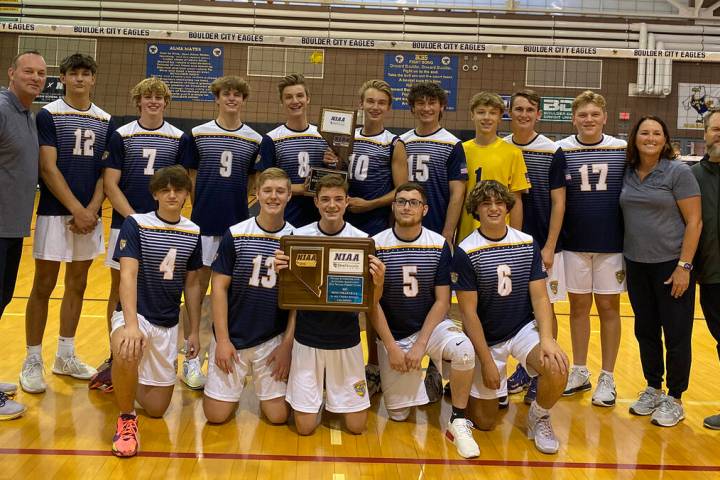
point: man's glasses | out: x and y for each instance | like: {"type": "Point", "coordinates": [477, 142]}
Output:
{"type": "Point", "coordinates": [414, 203]}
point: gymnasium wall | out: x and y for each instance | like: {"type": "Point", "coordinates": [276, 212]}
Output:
{"type": "Point", "coordinates": [122, 64]}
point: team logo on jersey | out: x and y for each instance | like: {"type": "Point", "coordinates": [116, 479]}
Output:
{"type": "Point", "coordinates": [122, 244]}
{"type": "Point", "coordinates": [454, 277]}
{"type": "Point", "coordinates": [105, 155]}
{"type": "Point", "coordinates": [455, 329]}
{"type": "Point", "coordinates": [620, 276]}
{"type": "Point", "coordinates": [360, 388]}
{"type": "Point", "coordinates": [308, 260]}
{"type": "Point", "coordinates": [554, 287]}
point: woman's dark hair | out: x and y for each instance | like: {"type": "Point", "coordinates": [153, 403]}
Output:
{"type": "Point", "coordinates": [632, 156]}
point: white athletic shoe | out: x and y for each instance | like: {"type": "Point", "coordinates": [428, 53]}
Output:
{"type": "Point", "coordinates": [578, 381]}
{"type": "Point", "coordinates": [31, 378]}
{"type": "Point", "coordinates": [540, 430]}
{"type": "Point", "coordinates": [192, 375]}
{"type": "Point", "coordinates": [459, 432]}
{"type": "Point", "coordinates": [74, 367]}
{"type": "Point", "coordinates": [605, 393]}
{"type": "Point", "coordinates": [647, 402]}
{"type": "Point", "coordinates": [668, 413]}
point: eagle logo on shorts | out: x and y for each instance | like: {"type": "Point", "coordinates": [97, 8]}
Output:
{"type": "Point", "coordinates": [105, 155]}
{"type": "Point", "coordinates": [122, 244]}
{"type": "Point", "coordinates": [620, 276]}
{"type": "Point", "coordinates": [554, 287]}
{"type": "Point", "coordinates": [454, 277]}
{"type": "Point", "coordinates": [360, 388]}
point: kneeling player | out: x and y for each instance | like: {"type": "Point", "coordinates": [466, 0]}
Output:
{"type": "Point", "coordinates": [248, 324]}
{"type": "Point", "coordinates": [327, 351]}
{"type": "Point", "coordinates": [500, 283]}
{"type": "Point", "coordinates": [411, 319]}
{"type": "Point", "coordinates": [159, 253]}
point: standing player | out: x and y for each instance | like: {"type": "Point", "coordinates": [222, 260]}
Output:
{"type": "Point", "coordinates": [135, 152]}
{"type": "Point", "coordinates": [502, 295]}
{"type": "Point", "coordinates": [159, 254]}
{"type": "Point", "coordinates": [411, 319]}
{"type": "Point", "coordinates": [295, 147]}
{"type": "Point", "coordinates": [327, 351]}
{"type": "Point", "coordinates": [593, 242]}
{"type": "Point", "coordinates": [72, 132]}
{"type": "Point", "coordinates": [252, 335]}
{"type": "Point", "coordinates": [221, 167]}
{"type": "Point", "coordinates": [543, 206]}
{"type": "Point", "coordinates": [435, 159]}
{"type": "Point", "coordinates": [490, 158]}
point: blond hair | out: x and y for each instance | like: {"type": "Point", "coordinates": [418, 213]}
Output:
{"type": "Point", "coordinates": [272, 173]}
{"type": "Point", "coordinates": [588, 96]}
{"type": "Point", "coordinates": [378, 85]}
{"type": "Point", "coordinates": [487, 99]}
{"type": "Point", "coordinates": [151, 85]}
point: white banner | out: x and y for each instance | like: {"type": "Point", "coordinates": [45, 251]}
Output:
{"type": "Point", "coordinates": [459, 47]}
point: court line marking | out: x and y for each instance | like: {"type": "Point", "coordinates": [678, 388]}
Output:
{"type": "Point", "coordinates": [335, 435]}
{"type": "Point", "coordinates": [372, 460]}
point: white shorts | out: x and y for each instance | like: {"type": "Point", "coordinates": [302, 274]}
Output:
{"type": "Point", "coordinates": [519, 347]}
{"type": "Point", "coordinates": [229, 387]}
{"type": "Point", "coordinates": [158, 365]}
{"type": "Point", "coordinates": [556, 287]}
{"type": "Point", "coordinates": [594, 272]}
{"type": "Point", "coordinates": [112, 243]}
{"type": "Point", "coordinates": [210, 247]}
{"type": "Point", "coordinates": [344, 379]}
{"type": "Point", "coordinates": [401, 390]}
{"type": "Point", "coordinates": [54, 241]}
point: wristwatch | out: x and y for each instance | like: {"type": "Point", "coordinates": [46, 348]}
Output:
{"type": "Point", "coordinates": [685, 265]}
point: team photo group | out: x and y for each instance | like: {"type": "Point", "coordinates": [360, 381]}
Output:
{"type": "Point", "coordinates": [503, 227]}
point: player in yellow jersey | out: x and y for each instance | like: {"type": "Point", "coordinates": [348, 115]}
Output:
{"type": "Point", "coordinates": [491, 158]}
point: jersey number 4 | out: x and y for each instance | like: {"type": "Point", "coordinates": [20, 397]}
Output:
{"type": "Point", "coordinates": [167, 266]}
{"type": "Point", "coordinates": [84, 142]}
{"type": "Point", "coordinates": [268, 280]}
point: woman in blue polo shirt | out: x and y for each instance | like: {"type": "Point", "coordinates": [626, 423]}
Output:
{"type": "Point", "coordinates": [660, 201]}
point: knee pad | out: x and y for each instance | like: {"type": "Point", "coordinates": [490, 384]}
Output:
{"type": "Point", "coordinates": [400, 414]}
{"type": "Point", "coordinates": [462, 357]}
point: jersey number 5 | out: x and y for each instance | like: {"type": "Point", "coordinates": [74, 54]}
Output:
{"type": "Point", "coordinates": [267, 281]}
{"type": "Point", "coordinates": [410, 283]}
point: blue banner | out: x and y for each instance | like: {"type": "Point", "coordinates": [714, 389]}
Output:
{"type": "Point", "coordinates": [403, 69]}
{"type": "Point", "coordinates": [187, 69]}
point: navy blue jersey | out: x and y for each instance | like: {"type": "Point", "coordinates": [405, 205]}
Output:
{"type": "Point", "coordinates": [80, 138]}
{"type": "Point", "coordinates": [223, 159]}
{"type": "Point", "coordinates": [412, 271]}
{"type": "Point", "coordinates": [328, 330]}
{"type": "Point", "coordinates": [165, 253]}
{"type": "Point", "coordinates": [370, 177]}
{"type": "Point", "coordinates": [500, 271]}
{"type": "Point", "coordinates": [247, 254]}
{"type": "Point", "coordinates": [138, 153]}
{"type": "Point", "coordinates": [295, 152]}
{"type": "Point", "coordinates": [433, 161]}
{"type": "Point", "coordinates": [595, 177]}
{"type": "Point", "coordinates": [546, 166]}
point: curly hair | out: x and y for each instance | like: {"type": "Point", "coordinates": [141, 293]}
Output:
{"type": "Point", "coordinates": [486, 190]}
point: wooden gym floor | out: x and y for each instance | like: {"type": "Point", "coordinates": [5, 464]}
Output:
{"type": "Point", "coordinates": [66, 431]}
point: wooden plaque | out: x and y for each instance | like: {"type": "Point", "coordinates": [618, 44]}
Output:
{"type": "Point", "coordinates": [317, 173]}
{"type": "Point", "coordinates": [326, 273]}
{"type": "Point", "coordinates": [337, 127]}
